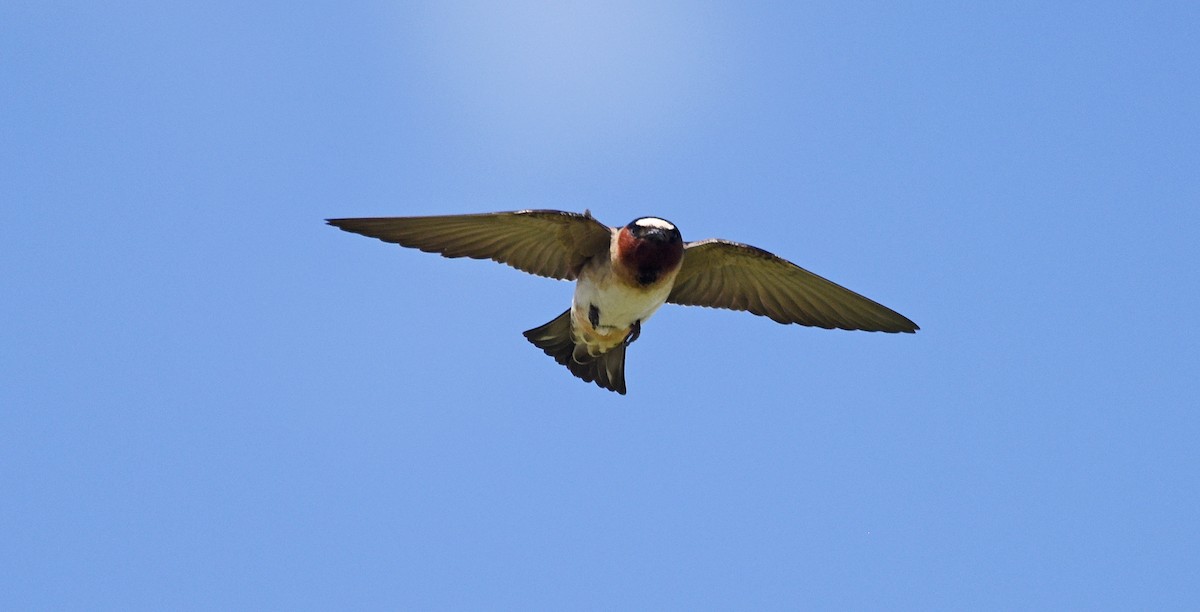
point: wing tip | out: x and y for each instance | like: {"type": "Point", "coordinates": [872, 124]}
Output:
{"type": "Point", "coordinates": [899, 324]}
{"type": "Point", "coordinates": [905, 327]}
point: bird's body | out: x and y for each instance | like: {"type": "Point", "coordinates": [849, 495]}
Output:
{"type": "Point", "coordinates": [605, 308]}
{"type": "Point", "coordinates": [623, 275]}
{"type": "Point", "coordinates": [616, 294]}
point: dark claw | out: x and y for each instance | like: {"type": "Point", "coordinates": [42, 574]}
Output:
{"type": "Point", "coordinates": [635, 330]}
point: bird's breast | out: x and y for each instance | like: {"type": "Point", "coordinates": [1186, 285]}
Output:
{"type": "Point", "coordinates": [606, 305]}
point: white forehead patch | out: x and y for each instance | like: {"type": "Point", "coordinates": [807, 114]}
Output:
{"type": "Point", "coordinates": [654, 222]}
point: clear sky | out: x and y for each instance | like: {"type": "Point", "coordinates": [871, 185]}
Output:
{"type": "Point", "coordinates": [209, 399]}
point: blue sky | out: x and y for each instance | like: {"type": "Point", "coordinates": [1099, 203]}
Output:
{"type": "Point", "coordinates": [209, 399]}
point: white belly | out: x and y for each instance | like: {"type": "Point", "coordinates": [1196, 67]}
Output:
{"type": "Point", "coordinates": [619, 305]}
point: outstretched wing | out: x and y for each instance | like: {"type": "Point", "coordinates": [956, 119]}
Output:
{"type": "Point", "coordinates": [544, 242]}
{"type": "Point", "coordinates": [723, 274]}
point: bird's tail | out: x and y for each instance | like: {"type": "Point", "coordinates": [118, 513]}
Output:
{"type": "Point", "coordinates": [556, 338]}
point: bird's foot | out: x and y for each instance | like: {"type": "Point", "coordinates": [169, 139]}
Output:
{"type": "Point", "coordinates": [635, 330]}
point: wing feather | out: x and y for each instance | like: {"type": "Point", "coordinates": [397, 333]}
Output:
{"type": "Point", "coordinates": [723, 274]}
{"type": "Point", "coordinates": [544, 242]}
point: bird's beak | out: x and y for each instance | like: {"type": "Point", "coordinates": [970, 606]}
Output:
{"type": "Point", "coordinates": [656, 234]}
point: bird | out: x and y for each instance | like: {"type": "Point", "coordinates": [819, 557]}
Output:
{"type": "Point", "coordinates": [623, 275]}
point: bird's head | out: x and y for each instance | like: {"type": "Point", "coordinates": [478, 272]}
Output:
{"type": "Point", "coordinates": [649, 248]}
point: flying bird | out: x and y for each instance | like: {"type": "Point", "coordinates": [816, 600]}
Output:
{"type": "Point", "coordinates": [624, 274]}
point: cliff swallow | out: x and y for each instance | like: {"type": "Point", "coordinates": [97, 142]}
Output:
{"type": "Point", "coordinates": [623, 275]}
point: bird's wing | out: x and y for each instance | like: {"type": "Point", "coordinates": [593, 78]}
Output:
{"type": "Point", "coordinates": [723, 274]}
{"type": "Point", "coordinates": [543, 242]}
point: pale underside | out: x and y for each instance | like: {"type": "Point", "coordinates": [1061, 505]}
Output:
{"type": "Point", "coordinates": [618, 306]}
